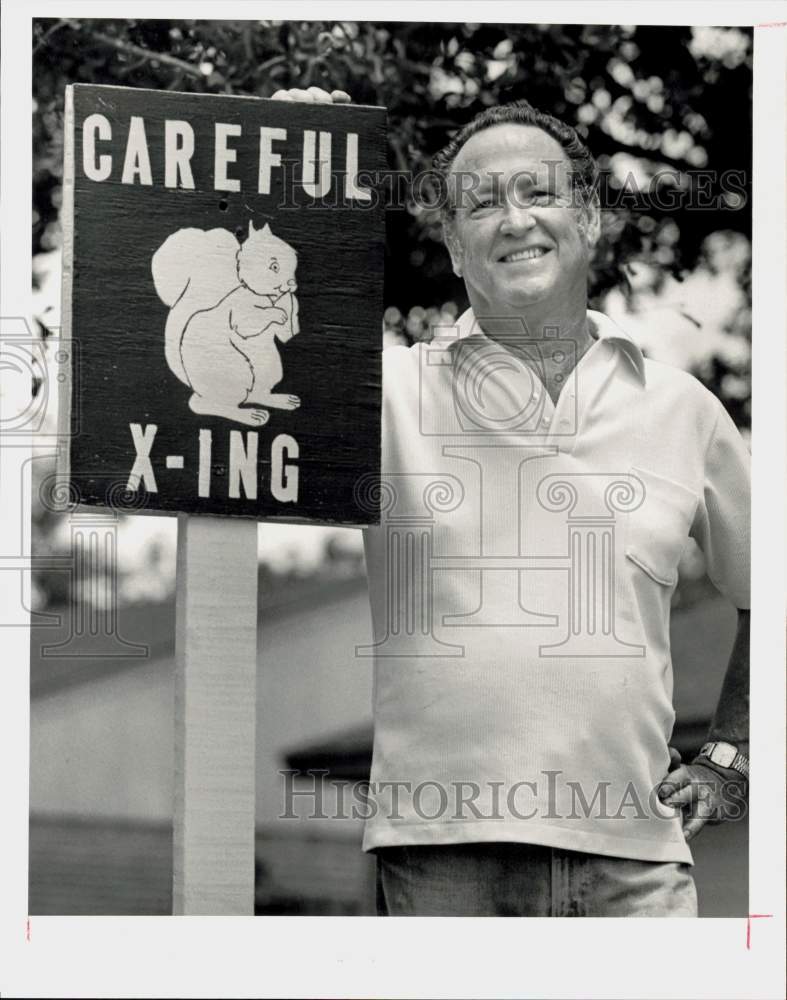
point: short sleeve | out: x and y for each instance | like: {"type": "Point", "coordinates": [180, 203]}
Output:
{"type": "Point", "coordinates": [722, 523]}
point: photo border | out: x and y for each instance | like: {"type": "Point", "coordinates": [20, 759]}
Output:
{"type": "Point", "coordinates": [264, 956]}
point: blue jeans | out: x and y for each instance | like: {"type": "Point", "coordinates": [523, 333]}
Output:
{"type": "Point", "coordinates": [527, 880]}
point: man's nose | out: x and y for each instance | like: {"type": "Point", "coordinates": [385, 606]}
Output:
{"type": "Point", "coordinates": [517, 219]}
{"type": "Point", "coordinates": [291, 282]}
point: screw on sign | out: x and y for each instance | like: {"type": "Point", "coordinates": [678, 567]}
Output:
{"type": "Point", "coordinates": [222, 278]}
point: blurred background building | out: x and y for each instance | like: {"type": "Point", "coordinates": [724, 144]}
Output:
{"type": "Point", "coordinates": [668, 113]}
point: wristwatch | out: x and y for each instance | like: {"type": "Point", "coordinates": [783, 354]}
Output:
{"type": "Point", "coordinates": [725, 755]}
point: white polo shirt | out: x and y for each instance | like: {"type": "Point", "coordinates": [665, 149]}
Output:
{"type": "Point", "coordinates": [520, 585]}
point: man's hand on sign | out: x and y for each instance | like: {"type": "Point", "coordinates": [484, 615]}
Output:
{"type": "Point", "coordinates": [705, 794]}
{"type": "Point", "coordinates": [314, 95]}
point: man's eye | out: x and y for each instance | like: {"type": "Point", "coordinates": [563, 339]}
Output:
{"type": "Point", "coordinates": [541, 197]}
{"type": "Point", "coordinates": [484, 202]}
{"type": "Point", "coordinates": [275, 267]}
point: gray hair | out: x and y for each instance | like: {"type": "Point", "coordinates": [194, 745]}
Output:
{"type": "Point", "coordinates": [584, 170]}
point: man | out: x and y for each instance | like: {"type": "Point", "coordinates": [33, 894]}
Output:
{"type": "Point", "coordinates": [541, 480]}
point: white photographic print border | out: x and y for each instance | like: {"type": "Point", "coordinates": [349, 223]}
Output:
{"type": "Point", "coordinates": [338, 957]}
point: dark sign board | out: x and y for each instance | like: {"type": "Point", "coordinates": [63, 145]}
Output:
{"type": "Point", "coordinates": [223, 275]}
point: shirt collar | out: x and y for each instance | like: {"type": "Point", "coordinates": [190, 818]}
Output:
{"type": "Point", "coordinates": [602, 328]}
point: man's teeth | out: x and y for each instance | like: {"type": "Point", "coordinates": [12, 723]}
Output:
{"type": "Point", "coordinates": [526, 254]}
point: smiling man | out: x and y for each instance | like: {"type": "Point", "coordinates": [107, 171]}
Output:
{"type": "Point", "coordinates": [516, 236]}
{"type": "Point", "coordinates": [517, 233]}
{"type": "Point", "coordinates": [541, 481]}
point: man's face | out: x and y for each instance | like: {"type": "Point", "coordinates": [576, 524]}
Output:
{"type": "Point", "coordinates": [519, 238]}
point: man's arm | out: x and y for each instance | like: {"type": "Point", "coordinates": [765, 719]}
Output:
{"type": "Point", "coordinates": [704, 790]}
{"type": "Point", "coordinates": [731, 718]}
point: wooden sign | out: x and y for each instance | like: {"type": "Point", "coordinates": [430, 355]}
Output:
{"type": "Point", "coordinates": [223, 275]}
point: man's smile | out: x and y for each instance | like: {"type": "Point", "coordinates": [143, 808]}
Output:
{"type": "Point", "coordinates": [531, 253]}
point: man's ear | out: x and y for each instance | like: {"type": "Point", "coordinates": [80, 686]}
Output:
{"type": "Point", "coordinates": [453, 246]}
{"type": "Point", "coordinates": [592, 213]}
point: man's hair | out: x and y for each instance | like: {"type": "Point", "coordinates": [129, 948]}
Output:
{"type": "Point", "coordinates": [584, 170]}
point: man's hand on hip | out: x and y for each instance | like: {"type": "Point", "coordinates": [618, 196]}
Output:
{"type": "Point", "coordinates": [706, 795]}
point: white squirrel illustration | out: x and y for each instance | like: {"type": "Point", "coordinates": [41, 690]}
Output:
{"type": "Point", "coordinates": [228, 302]}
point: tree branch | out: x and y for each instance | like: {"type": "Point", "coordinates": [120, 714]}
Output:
{"type": "Point", "coordinates": [45, 37]}
{"type": "Point", "coordinates": [129, 48]}
{"type": "Point", "coordinates": [270, 63]}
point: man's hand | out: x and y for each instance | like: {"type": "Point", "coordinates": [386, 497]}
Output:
{"type": "Point", "coordinates": [705, 794]}
{"type": "Point", "coordinates": [314, 95]}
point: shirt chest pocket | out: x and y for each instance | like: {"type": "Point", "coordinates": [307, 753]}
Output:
{"type": "Point", "coordinates": [658, 530]}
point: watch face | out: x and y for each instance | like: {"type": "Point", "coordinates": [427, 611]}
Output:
{"type": "Point", "coordinates": [723, 755]}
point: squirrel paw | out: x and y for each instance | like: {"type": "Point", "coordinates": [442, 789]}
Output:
{"type": "Point", "coordinates": [253, 417]}
{"type": "Point", "coordinates": [280, 400]}
{"type": "Point", "coordinates": [279, 315]}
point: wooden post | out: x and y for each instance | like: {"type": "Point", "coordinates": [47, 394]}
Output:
{"type": "Point", "coordinates": [215, 707]}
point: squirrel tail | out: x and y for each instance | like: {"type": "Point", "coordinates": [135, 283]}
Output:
{"type": "Point", "coordinates": [193, 270]}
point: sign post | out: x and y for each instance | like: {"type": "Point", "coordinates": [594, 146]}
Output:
{"type": "Point", "coordinates": [215, 709]}
{"type": "Point", "coordinates": [222, 309]}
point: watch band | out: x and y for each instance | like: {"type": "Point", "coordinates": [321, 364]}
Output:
{"type": "Point", "coordinates": [739, 762]}
{"type": "Point", "coordinates": [741, 765]}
